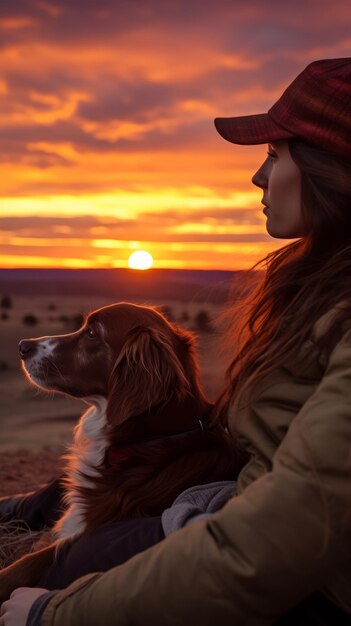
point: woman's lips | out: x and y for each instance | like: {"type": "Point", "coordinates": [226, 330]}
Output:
{"type": "Point", "coordinates": [265, 206]}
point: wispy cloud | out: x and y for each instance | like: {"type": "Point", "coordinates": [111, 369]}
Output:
{"type": "Point", "coordinates": [116, 100]}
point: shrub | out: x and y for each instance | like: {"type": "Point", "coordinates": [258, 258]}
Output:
{"type": "Point", "coordinates": [64, 319]}
{"type": "Point", "coordinates": [30, 319]}
{"type": "Point", "coordinates": [6, 302]}
{"type": "Point", "coordinates": [203, 322]}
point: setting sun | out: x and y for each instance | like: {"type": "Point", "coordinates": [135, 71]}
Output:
{"type": "Point", "coordinates": [140, 260]}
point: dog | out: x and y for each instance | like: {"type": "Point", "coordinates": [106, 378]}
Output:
{"type": "Point", "coordinates": [148, 434]}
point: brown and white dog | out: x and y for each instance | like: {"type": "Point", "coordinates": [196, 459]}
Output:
{"type": "Point", "coordinates": [147, 435]}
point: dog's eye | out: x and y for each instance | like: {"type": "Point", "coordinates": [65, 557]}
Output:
{"type": "Point", "coordinates": [90, 332]}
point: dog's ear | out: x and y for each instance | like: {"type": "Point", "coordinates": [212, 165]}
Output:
{"type": "Point", "coordinates": [146, 372]}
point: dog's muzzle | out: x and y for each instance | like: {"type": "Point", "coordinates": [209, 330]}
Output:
{"type": "Point", "coordinates": [27, 348]}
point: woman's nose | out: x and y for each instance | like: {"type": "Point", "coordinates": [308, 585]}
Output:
{"type": "Point", "coordinates": [260, 178]}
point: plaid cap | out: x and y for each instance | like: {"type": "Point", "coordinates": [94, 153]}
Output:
{"type": "Point", "coordinates": [316, 107]}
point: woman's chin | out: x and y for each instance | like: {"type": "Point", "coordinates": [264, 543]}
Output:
{"type": "Point", "coordinates": [273, 232]}
{"type": "Point", "coordinates": [277, 233]}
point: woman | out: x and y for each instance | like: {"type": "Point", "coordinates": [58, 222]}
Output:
{"type": "Point", "coordinates": [284, 540]}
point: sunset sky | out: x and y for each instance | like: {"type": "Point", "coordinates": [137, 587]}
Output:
{"type": "Point", "coordinates": [106, 125]}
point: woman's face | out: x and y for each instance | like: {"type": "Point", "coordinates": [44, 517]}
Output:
{"type": "Point", "coordinates": [280, 180]}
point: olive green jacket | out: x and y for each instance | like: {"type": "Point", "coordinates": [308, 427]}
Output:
{"type": "Point", "coordinates": [287, 533]}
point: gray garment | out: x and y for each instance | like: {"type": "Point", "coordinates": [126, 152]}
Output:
{"type": "Point", "coordinates": [197, 503]}
{"type": "Point", "coordinates": [38, 607]}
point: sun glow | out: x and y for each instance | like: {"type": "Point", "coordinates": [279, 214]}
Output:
{"type": "Point", "coordinates": [140, 260]}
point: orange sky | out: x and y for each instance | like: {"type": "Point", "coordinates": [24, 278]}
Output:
{"type": "Point", "coordinates": [106, 125]}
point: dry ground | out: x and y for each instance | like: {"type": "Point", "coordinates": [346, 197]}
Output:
{"type": "Point", "coordinates": [24, 471]}
{"type": "Point", "coordinates": [21, 472]}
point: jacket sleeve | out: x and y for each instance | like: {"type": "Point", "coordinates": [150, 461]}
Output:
{"type": "Point", "coordinates": [266, 550]}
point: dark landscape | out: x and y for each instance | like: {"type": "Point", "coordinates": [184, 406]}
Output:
{"type": "Point", "coordinates": [182, 285]}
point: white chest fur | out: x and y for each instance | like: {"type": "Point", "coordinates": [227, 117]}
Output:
{"type": "Point", "coordinates": [86, 452]}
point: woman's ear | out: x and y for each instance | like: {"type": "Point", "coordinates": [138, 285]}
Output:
{"type": "Point", "coordinates": [146, 372]}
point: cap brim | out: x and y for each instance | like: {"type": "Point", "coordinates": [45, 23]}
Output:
{"type": "Point", "coordinates": [251, 129]}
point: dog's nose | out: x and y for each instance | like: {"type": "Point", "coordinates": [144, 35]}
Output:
{"type": "Point", "coordinates": [26, 347]}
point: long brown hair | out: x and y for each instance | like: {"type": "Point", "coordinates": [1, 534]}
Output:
{"type": "Point", "coordinates": [300, 282]}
